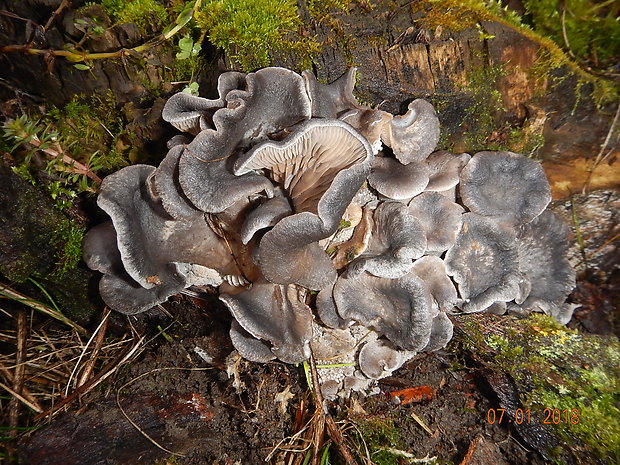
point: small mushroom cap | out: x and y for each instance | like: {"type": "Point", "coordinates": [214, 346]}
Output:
{"type": "Point", "coordinates": [377, 359]}
{"type": "Point", "coordinates": [396, 240]}
{"type": "Point", "coordinates": [484, 263]}
{"type": "Point", "coordinates": [441, 333]}
{"type": "Point", "coordinates": [432, 270]}
{"type": "Point", "coordinates": [397, 181]}
{"type": "Point", "coordinates": [306, 163]}
{"type": "Point", "coordinates": [274, 313]}
{"type": "Point", "coordinates": [543, 248]}
{"type": "Point", "coordinates": [326, 309]}
{"type": "Point", "coordinates": [440, 219]}
{"type": "Point", "coordinates": [290, 253]}
{"type": "Point", "coordinates": [399, 309]}
{"type": "Point", "coordinates": [331, 100]}
{"type": "Point", "coordinates": [505, 185]}
{"type": "Point", "coordinates": [266, 215]}
{"type": "Point", "coordinates": [192, 114]}
{"type": "Point", "coordinates": [414, 135]}
{"type": "Point", "coordinates": [445, 169]}
{"type": "Point", "coordinates": [250, 348]}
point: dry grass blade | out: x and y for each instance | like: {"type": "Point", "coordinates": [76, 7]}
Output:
{"type": "Point", "coordinates": [36, 305]}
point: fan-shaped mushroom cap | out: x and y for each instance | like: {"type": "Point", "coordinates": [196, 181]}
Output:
{"type": "Point", "coordinates": [441, 333]}
{"type": "Point", "coordinates": [148, 239]}
{"type": "Point", "coordinates": [192, 114]}
{"type": "Point", "coordinates": [250, 348]}
{"type": "Point", "coordinates": [399, 309]}
{"type": "Point", "coordinates": [484, 263]}
{"type": "Point", "coordinates": [440, 219]}
{"type": "Point", "coordinates": [166, 184]}
{"type": "Point", "coordinates": [414, 135]}
{"type": "Point", "coordinates": [396, 240]}
{"type": "Point", "coordinates": [445, 169]}
{"type": "Point", "coordinates": [274, 313]}
{"type": "Point", "coordinates": [432, 271]}
{"type": "Point", "coordinates": [377, 359]}
{"type": "Point", "coordinates": [505, 185]}
{"type": "Point", "coordinates": [331, 100]}
{"type": "Point", "coordinates": [397, 181]}
{"type": "Point", "coordinates": [266, 215]}
{"type": "Point", "coordinates": [543, 247]}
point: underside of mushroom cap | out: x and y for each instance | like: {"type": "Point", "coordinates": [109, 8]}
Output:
{"type": "Point", "coordinates": [307, 162]}
{"type": "Point", "coordinates": [397, 181]}
{"type": "Point", "coordinates": [440, 219]}
{"type": "Point", "coordinates": [484, 263]}
{"type": "Point", "coordinates": [275, 314]}
{"type": "Point", "coordinates": [399, 309]}
{"type": "Point", "coordinates": [543, 247]}
{"type": "Point", "coordinates": [396, 240]}
{"type": "Point", "coordinates": [505, 185]}
{"type": "Point", "coordinates": [414, 135]}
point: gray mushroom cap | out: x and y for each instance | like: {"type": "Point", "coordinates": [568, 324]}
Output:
{"type": "Point", "coordinates": [266, 215]}
{"type": "Point", "coordinates": [432, 270]}
{"type": "Point", "coordinates": [543, 247]}
{"type": "Point", "coordinates": [396, 240]}
{"type": "Point", "coordinates": [397, 181]}
{"type": "Point", "coordinates": [441, 333]}
{"type": "Point", "coordinates": [440, 219]}
{"type": "Point", "coordinates": [505, 185]}
{"type": "Point", "coordinates": [484, 263]}
{"type": "Point", "coordinates": [377, 359]}
{"type": "Point", "coordinates": [274, 313]}
{"type": "Point", "coordinates": [250, 348]}
{"type": "Point", "coordinates": [445, 169]}
{"type": "Point", "coordinates": [414, 135]}
{"type": "Point", "coordinates": [331, 100]}
{"type": "Point", "coordinates": [192, 114]}
{"type": "Point", "coordinates": [399, 309]}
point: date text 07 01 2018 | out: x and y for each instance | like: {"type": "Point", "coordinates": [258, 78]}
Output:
{"type": "Point", "coordinates": [549, 416]}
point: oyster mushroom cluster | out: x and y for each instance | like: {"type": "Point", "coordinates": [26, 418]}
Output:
{"type": "Point", "coordinates": [328, 226]}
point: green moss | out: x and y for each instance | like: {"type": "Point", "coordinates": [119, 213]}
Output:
{"type": "Point", "coordinates": [149, 15]}
{"type": "Point", "coordinates": [253, 32]}
{"type": "Point", "coordinates": [379, 434]}
{"type": "Point", "coordinates": [558, 368]}
{"type": "Point", "coordinates": [67, 241]}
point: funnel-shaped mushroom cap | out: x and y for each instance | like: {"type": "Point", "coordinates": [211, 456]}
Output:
{"type": "Point", "coordinates": [543, 247]}
{"type": "Point", "coordinates": [321, 165]}
{"type": "Point", "coordinates": [306, 163]}
{"type": "Point", "coordinates": [432, 271]}
{"type": "Point", "coordinates": [397, 181]}
{"type": "Point", "coordinates": [505, 185]}
{"type": "Point", "coordinates": [445, 169]}
{"type": "Point", "coordinates": [266, 215]}
{"type": "Point", "coordinates": [166, 184]}
{"type": "Point", "coordinates": [484, 263]}
{"type": "Point", "coordinates": [275, 314]}
{"type": "Point", "coordinates": [377, 359]}
{"type": "Point", "coordinates": [441, 333]}
{"type": "Point", "coordinates": [440, 219]}
{"type": "Point", "coordinates": [250, 348]}
{"type": "Point", "coordinates": [414, 135]}
{"type": "Point", "coordinates": [397, 239]}
{"type": "Point", "coordinates": [399, 309]}
{"type": "Point", "coordinates": [193, 114]}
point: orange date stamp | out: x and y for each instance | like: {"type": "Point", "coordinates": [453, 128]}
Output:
{"type": "Point", "coordinates": [548, 416]}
